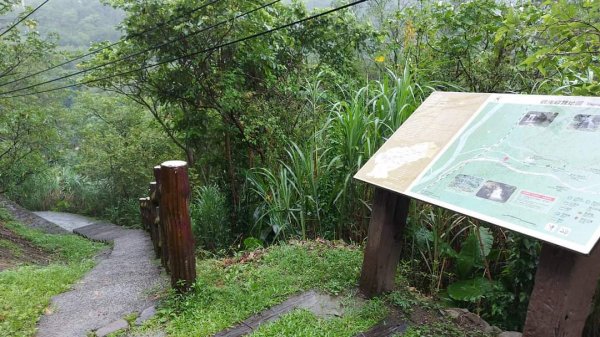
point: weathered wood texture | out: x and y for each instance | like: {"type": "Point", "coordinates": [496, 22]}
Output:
{"type": "Point", "coordinates": [162, 233]}
{"type": "Point", "coordinates": [175, 217]}
{"type": "Point", "coordinates": [153, 219]}
{"type": "Point", "coordinates": [382, 253]}
{"type": "Point", "coordinates": [565, 284]}
{"type": "Point", "coordinates": [144, 212]}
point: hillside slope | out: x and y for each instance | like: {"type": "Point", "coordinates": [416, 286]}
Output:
{"type": "Point", "coordinates": [35, 266]}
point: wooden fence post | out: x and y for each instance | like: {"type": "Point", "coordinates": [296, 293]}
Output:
{"type": "Point", "coordinates": [382, 254]}
{"type": "Point", "coordinates": [175, 217]}
{"type": "Point", "coordinates": [144, 207]}
{"type": "Point", "coordinates": [162, 233]}
{"type": "Point", "coordinates": [153, 218]}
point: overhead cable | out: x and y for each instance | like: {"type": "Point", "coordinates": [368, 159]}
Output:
{"type": "Point", "coordinates": [23, 18]}
{"type": "Point", "coordinates": [138, 53]}
{"type": "Point", "coordinates": [249, 37]}
{"type": "Point", "coordinates": [128, 37]}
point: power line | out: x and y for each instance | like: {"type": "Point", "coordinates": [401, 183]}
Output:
{"type": "Point", "coordinates": [142, 51]}
{"type": "Point", "coordinates": [95, 51]}
{"type": "Point", "coordinates": [23, 18]}
{"type": "Point", "coordinates": [250, 37]}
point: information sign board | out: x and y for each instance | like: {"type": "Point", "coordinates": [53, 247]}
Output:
{"type": "Point", "coordinates": [526, 163]}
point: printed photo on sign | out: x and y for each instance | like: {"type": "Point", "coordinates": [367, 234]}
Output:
{"type": "Point", "coordinates": [585, 122]}
{"type": "Point", "coordinates": [496, 191]}
{"type": "Point", "coordinates": [466, 183]}
{"type": "Point", "coordinates": [538, 118]}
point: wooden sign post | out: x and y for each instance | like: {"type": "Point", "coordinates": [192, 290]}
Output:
{"type": "Point", "coordinates": [565, 285]}
{"type": "Point", "coordinates": [519, 162]}
{"type": "Point", "coordinates": [382, 253]}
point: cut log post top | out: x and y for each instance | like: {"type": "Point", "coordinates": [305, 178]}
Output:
{"type": "Point", "coordinates": [174, 164]}
{"type": "Point", "coordinates": [175, 173]}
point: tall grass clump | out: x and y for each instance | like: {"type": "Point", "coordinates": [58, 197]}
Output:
{"type": "Point", "coordinates": [310, 192]}
{"type": "Point", "coordinates": [62, 189]}
{"type": "Point", "coordinates": [209, 214]}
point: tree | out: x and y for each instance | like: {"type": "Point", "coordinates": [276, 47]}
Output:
{"type": "Point", "coordinates": [232, 107]}
{"type": "Point", "coordinates": [28, 138]}
{"type": "Point", "coordinates": [569, 52]}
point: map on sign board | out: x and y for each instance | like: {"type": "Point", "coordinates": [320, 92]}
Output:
{"type": "Point", "coordinates": [527, 163]}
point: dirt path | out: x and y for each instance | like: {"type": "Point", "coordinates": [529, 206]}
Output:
{"type": "Point", "coordinates": [121, 284]}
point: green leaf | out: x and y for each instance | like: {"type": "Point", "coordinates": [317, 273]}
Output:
{"type": "Point", "coordinates": [468, 256]}
{"type": "Point", "coordinates": [252, 243]}
{"type": "Point", "coordinates": [487, 241]}
{"type": "Point", "coordinates": [470, 290]}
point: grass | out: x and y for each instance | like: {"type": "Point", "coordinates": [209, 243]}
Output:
{"type": "Point", "coordinates": [25, 292]}
{"type": "Point", "coordinates": [64, 248]}
{"type": "Point", "coordinates": [12, 247]}
{"type": "Point", "coordinates": [303, 323]}
{"type": "Point", "coordinates": [229, 291]}
{"type": "Point", "coordinates": [441, 329]}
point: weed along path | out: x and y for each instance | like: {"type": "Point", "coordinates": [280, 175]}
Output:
{"type": "Point", "coordinates": [119, 287]}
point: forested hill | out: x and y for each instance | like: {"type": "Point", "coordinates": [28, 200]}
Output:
{"type": "Point", "coordinates": [317, 3]}
{"type": "Point", "coordinates": [77, 22]}
{"type": "Point", "coordinates": [81, 22]}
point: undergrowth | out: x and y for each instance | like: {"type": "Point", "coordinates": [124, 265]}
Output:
{"type": "Point", "coordinates": [231, 290]}
{"type": "Point", "coordinates": [304, 323]}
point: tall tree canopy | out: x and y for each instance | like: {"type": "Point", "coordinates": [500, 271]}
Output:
{"type": "Point", "coordinates": [27, 135]}
{"type": "Point", "coordinates": [236, 102]}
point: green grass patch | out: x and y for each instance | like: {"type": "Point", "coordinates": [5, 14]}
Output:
{"type": "Point", "coordinates": [65, 248]}
{"type": "Point", "coordinates": [12, 247]}
{"type": "Point", "coordinates": [26, 291]}
{"type": "Point", "coordinates": [5, 215]}
{"type": "Point", "coordinates": [226, 293]}
{"type": "Point", "coordinates": [303, 323]}
{"type": "Point", "coordinates": [229, 291]}
{"type": "Point", "coordinates": [442, 329]}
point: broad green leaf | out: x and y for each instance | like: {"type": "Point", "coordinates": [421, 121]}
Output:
{"type": "Point", "coordinates": [487, 241]}
{"type": "Point", "coordinates": [469, 290]}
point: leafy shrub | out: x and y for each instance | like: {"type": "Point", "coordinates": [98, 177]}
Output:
{"type": "Point", "coordinates": [125, 212]}
{"type": "Point", "coordinates": [310, 192]}
{"type": "Point", "coordinates": [210, 217]}
{"type": "Point", "coordinates": [488, 270]}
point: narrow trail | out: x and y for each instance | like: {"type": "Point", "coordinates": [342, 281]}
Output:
{"type": "Point", "coordinates": [121, 284]}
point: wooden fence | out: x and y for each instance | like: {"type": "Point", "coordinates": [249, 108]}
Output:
{"type": "Point", "coordinates": [165, 215]}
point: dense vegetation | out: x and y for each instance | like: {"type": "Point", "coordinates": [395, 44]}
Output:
{"type": "Point", "coordinates": [275, 127]}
